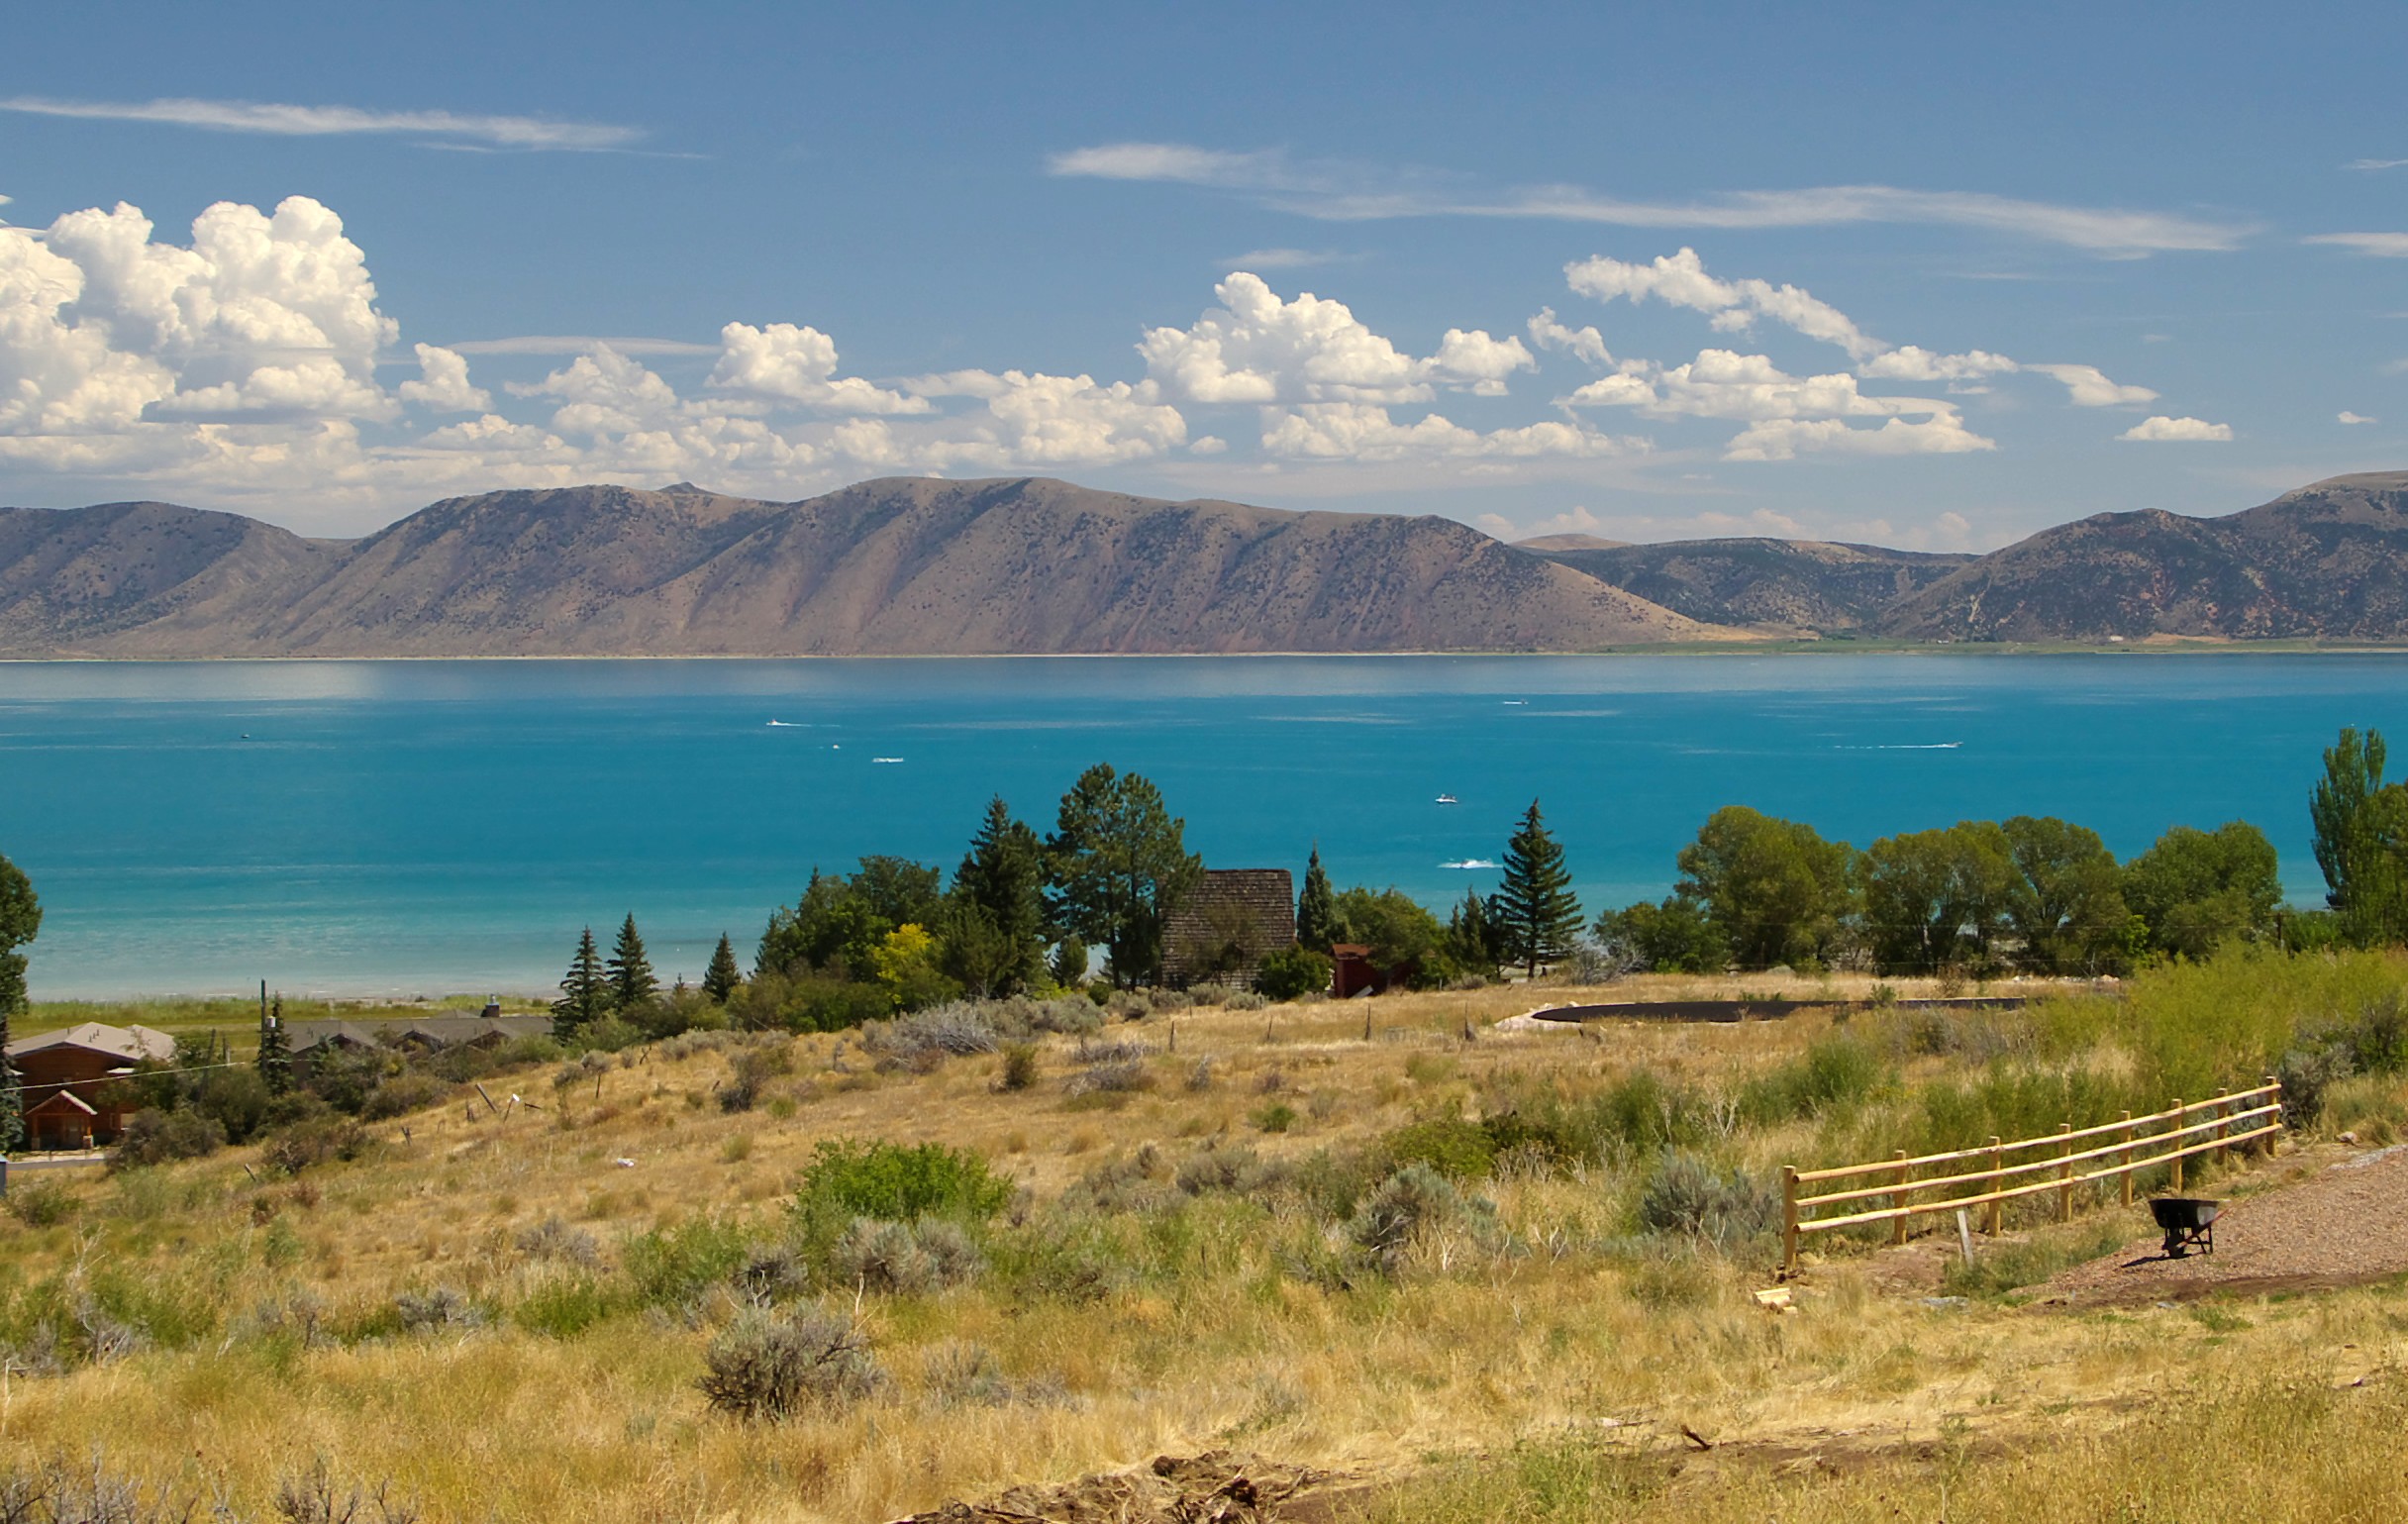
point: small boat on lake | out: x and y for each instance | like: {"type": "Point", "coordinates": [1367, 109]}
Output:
{"type": "Point", "coordinates": [1449, 800]}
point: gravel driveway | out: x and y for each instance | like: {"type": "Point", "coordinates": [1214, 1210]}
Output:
{"type": "Point", "coordinates": [2345, 1224]}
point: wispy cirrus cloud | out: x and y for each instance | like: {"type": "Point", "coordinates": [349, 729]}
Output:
{"type": "Point", "coordinates": [1338, 191]}
{"type": "Point", "coordinates": [1288, 259]}
{"type": "Point", "coordinates": [2382, 245]}
{"type": "Point", "coordinates": [288, 120]}
{"type": "Point", "coordinates": [2375, 164]}
{"type": "Point", "coordinates": [578, 343]}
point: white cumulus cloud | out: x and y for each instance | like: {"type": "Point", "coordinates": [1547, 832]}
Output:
{"type": "Point", "coordinates": [1549, 332]}
{"type": "Point", "coordinates": [1361, 431]}
{"type": "Point", "coordinates": [2348, 417]}
{"type": "Point", "coordinates": [1256, 348]}
{"type": "Point", "coordinates": [2162, 428]}
{"type": "Point", "coordinates": [443, 383]}
{"type": "Point", "coordinates": [783, 362]}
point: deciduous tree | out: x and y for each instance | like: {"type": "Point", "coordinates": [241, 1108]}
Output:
{"type": "Point", "coordinates": [1937, 899]}
{"type": "Point", "coordinates": [1118, 861]}
{"type": "Point", "coordinates": [2360, 828]}
{"type": "Point", "coordinates": [1777, 891]}
{"type": "Point", "coordinates": [2065, 902]}
{"type": "Point", "coordinates": [20, 922]}
{"type": "Point", "coordinates": [2195, 890]}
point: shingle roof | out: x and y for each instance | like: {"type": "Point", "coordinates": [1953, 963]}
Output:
{"type": "Point", "coordinates": [131, 1044]}
{"type": "Point", "coordinates": [1247, 911]}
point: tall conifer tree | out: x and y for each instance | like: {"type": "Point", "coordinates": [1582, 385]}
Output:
{"type": "Point", "coordinates": [995, 922]}
{"type": "Point", "coordinates": [275, 1060]}
{"type": "Point", "coordinates": [718, 980]}
{"type": "Point", "coordinates": [632, 985]}
{"type": "Point", "coordinates": [585, 990]}
{"type": "Point", "coordinates": [1316, 907]}
{"type": "Point", "coordinates": [1535, 911]}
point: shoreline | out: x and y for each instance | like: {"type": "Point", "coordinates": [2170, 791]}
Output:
{"type": "Point", "coordinates": [1785, 646]}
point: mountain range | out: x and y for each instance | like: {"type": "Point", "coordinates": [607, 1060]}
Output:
{"type": "Point", "coordinates": [916, 565]}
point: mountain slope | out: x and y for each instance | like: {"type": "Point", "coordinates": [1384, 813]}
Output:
{"type": "Point", "coordinates": [66, 578]}
{"type": "Point", "coordinates": [904, 565]}
{"type": "Point", "coordinates": [1804, 584]}
{"type": "Point", "coordinates": [2328, 560]}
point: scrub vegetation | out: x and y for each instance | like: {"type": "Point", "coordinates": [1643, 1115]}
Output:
{"type": "Point", "coordinates": [986, 1243]}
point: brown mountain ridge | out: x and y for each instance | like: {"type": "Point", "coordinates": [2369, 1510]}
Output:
{"type": "Point", "coordinates": [905, 566]}
{"type": "Point", "coordinates": [1032, 567]}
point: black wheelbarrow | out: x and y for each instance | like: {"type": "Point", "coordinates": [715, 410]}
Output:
{"type": "Point", "coordinates": [2188, 1221]}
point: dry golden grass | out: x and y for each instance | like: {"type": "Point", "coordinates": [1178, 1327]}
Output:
{"type": "Point", "coordinates": [1477, 1352]}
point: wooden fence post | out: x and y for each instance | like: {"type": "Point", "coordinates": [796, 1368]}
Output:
{"type": "Point", "coordinates": [1998, 1164]}
{"type": "Point", "coordinates": [1789, 1220]}
{"type": "Point", "coordinates": [2224, 1131]}
{"type": "Point", "coordinates": [2065, 1174]}
{"type": "Point", "coordinates": [2182, 1114]}
{"type": "Point", "coordinates": [2125, 1159]}
{"type": "Point", "coordinates": [1897, 1200]}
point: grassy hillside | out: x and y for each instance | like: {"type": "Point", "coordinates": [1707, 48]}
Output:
{"type": "Point", "coordinates": [508, 1318]}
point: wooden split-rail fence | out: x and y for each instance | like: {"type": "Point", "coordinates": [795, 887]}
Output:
{"type": "Point", "coordinates": [1998, 1173]}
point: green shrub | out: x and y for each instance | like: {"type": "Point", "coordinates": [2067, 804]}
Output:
{"type": "Point", "coordinates": [1455, 1147]}
{"type": "Point", "coordinates": [1019, 1066]}
{"type": "Point", "coordinates": [155, 1137]}
{"type": "Point", "coordinates": [672, 1267]}
{"type": "Point", "coordinates": [403, 1094]}
{"type": "Point", "coordinates": [564, 1309]}
{"type": "Point", "coordinates": [305, 1144]}
{"type": "Point", "coordinates": [43, 1204]}
{"type": "Point", "coordinates": [1277, 1117]}
{"type": "Point", "coordinates": [1836, 1074]}
{"type": "Point", "coordinates": [895, 1184]}
{"type": "Point", "coordinates": [765, 1366]}
{"type": "Point", "coordinates": [1286, 972]}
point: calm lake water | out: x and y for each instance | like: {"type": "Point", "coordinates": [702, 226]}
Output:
{"type": "Point", "coordinates": [363, 827]}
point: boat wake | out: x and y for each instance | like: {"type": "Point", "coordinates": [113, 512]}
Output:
{"type": "Point", "coordinates": [1469, 863]}
{"type": "Point", "coordinates": [1906, 746]}
{"type": "Point", "coordinates": [887, 758]}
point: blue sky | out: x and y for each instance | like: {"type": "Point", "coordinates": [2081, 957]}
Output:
{"type": "Point", "coordinates": [1935, 278]}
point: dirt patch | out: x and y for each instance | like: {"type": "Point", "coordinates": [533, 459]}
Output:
{"type": "Point", "coordinates": [2345, 1225]}
{"type": "Point", "coordinates": [1219, 1486]}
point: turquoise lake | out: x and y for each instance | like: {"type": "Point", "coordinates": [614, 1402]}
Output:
{"type": "Point", "coordinates": [389, 826]}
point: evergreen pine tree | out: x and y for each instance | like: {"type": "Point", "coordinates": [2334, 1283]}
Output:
{"type": "Point", "coordinates": [1316, 907]}
{"type": "Point", "coordinates": [632, 985]}
{"type": "Point", "coordinates": [1472, 937]}
{"type": "Point", "coordinates": [995, 922]}
{"type": "Point", "coordinates": [718, 980]}
{"type": "Point", "coordinates": [275, 1060]}
{"type": "Point", "coordinates": [1535, 912]}
{"type": "Point", "coordinates": [585, 990]}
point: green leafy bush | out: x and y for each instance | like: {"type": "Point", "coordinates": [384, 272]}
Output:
{"type": "Point", "coordinates": [1455, 1147]}
{"type": "Point", "coordinates": [154, 1137]}
{"type": "Point", "coordinates": [895, 1184]}
{"type": "Point", "coordinates": [672, 1267]}
{"type": "Point", "coordinates": [43, 1204]}
{"type": "Point", "coordinates": [1286, 972]}
{"type": "Point", "coordinates": [1837, 1072]}
{"type": "Point", "coordinates": [564, 1309]}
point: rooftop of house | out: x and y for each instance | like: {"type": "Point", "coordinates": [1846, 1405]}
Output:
{"type": "Point", "coordinates": [130, 1045]}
